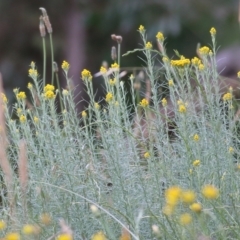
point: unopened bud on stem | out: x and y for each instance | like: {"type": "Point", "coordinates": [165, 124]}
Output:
{"type": "Point", "coordinates": [46, 20]}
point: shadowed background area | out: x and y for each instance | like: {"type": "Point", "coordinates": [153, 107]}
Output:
{"type": "Point", "coordinates": [82, 29]}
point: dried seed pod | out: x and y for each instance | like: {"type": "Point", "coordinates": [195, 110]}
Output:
{"type": "Point", "coordinates": [46, 20]}
{"type": "Point", "coordinates": [42, 27]}
{"type": "Point", "coordinates": [114, 53]}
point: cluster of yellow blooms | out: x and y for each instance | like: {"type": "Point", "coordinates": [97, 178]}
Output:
{"type": "Point", "coordinates": [148, 45]}
{"type": "Point", "coordinates": [65, 66]}
{"type": "Point", "coordinates": [112, 82]}
{"type": "Point", "coordinates": [160, 37]}
{"type": "Point", "coordinates": [109, 97]}
{"type": "Point", "coordinates": [227, 97]}
{"type": "Point", "coordinates": [144, 103]}
{"type": "Point", "coordinates": [115, 66]}
{"type": "Point", "coordinates": [86, 75]}
{"type": "Point", "coordinates": [49, 91]}
{"type": "Point", "coordinates": [4, 98]}
{"type": "Point", "coordinates": [32, 73]}
{"type": "Point", "coordinates": [182, 62]}
{"type": "Point", "coordinates": [175, 195]}
{"type": "Point", "coordinates": [164, 102]}
{"type": "Point", "coordinates": [182, 107]}
{"type": "Point", "coordinates": [204, 50]}
{"type": "Point", "coordinates": [21, 96]}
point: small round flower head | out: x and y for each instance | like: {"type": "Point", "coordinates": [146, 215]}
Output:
{"type": "Point", "coordinates": [86, 75]}
{"type": "Point", "coordinates": [196, 137]}
{"type": "Point", "coordinates": [49, 87]}
{"type": "Point", "coordinates": [196, 163]}
{"type": "Point", "coordinates": [172, 195]}
{"type": "Point", "coordinates": [182, 108]}
{"type": "Point", "coordinates": [28, 229]}
{"type": "Point", "coordinates": [29, 86]}
{"type": "Point", "coordinates": [144, 103]}
{"type": "Point", "coordinates": [36, 119]}
{"type": "Point", "coordinates": [2, 225]}
{"type": "Point", "coordinates": [109, 97]}
{"type": "Point", "coordinates": [21, 96]}
{"type": "Point", "coordinates": [22, 118]}
{"type": "Point", "coordinates": [210, 192]}
{"type": "Point", "coordinates": [96, 106]}
{"type": "Point", "coordinates": [196, 61]}
{"type": "Point", "coordinates": [201, 67]}
{"type": "Point", "coordinates": [99, 236]}
{"type": "Point", "coordinates": [164, 102]}
{"type": "Point", "coordinates": [188, 196]}
{"type": "Point", "coordinates": [84, 114]}
{"type": "Point", "coordinates": [231, 150]}
{"type": "Point", "coordinates": [185, 219]}
{"type": "Point", "coordinates": [49, 95]}
{"type": "Point", "coordinates": [65, 66]}
{"type": "Point", "coordinates": [170, 83]}
{"type": "Point", "coordinates": [204, 50]}
{"type": "Point", "coordinates": [65, 92]}
{"type": "Point", "coordinates": [141, 29]}
{"type": "Point", "coordinates": [12, 236]}
{"type": "Point", "coordinates": [146, 155]}
{"type": "Point", "coordinates": [94, 208]}
{"type": "Point", "coordinates": [160, 37]}
{"type": "Point", "coordinates": [181, 63]}
{"type": "Point", "coordinates": [227, 97]}
{"type": "Point", "coordinates": [115, 66]}
{"type": "Point", "coordinates": [32, 73]}
{"type": "Point", "coordinates": [112, 82]}
{"type": "Point", "coordinates": [196, 207]}
{"type": "Point", "coordinates": [103, 70]}
{"type": "Point", "coordinates": [64, 236]}
{"type": "Point", "coordinates": [213, 31]}
{"type": "Point", "coordinates": [148, 45]}
{"type": "Point", "coordinates": [4, 98]}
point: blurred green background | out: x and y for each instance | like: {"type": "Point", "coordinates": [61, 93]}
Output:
{"type": "Point", "coordinates": [82, 29]}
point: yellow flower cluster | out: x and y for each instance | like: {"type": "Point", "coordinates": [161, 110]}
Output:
{"type": "Point", "coordinates": [182, 62]}
{"type": "Point", "coordinates": [227, 97]}
{"type": "Point", "coordinates": [12, 236]}
{"type": "Point", "coordinates": [160, 37]}
{"type": "Point", "coordinates": [65, 66]}
{"type": "Point", "coordinates": [115, 66]}
{"type": "Point", "coordinates": [21, 96]}
{"type": "Point", "coordinates": [96, 106]}
{"type": "Point", "coordinates": [210, 192]}
{"type": "Point", "coordinates": [141, 29]}
{"type": "Point", "coordinates": [29, 229]}
{"type": "Point", "coordinates": [204, 50]}
{"type": "Point", "coordinates": [29, 86]}
{"type": "Point", "coordinates": [2, 225]}
{"type": "Point", "coordinates": [196, 61]}
{"type": "Point", "coordinates": [238, 74]}
{"type": "Point", "coordinates": [109, 97]}
{"type": "Point", "coordinates": [196, 163]}
{"type": "Point", "coordinates": [144, 103]}
{"type": "Point", "coordinates": [182, 108]}
{"type": "Point", "coordinates": [84, 114]}
{"type": "Point", "coordinates": [64, 236]}
{"type": "Point", "coordinates": [103, 70]}
{"type": "Point", "coordinates": [32, 73]}
{"type": "Point", "coordinates": [170, 83]}
{"type": "Point", "coordinates": [86, 75]}
{"type": "Point", "coordinates": [164, 102]}
{"type": "Point", "coordinates": [196, 137]}
{"type": "Point", "coordinates": [213, 31]}
{"type": "Point", "coordinates": [148, 45]}
{"type": "Point", "coordinates": [99, 236]}
{"type": "Point", "coordinates": [49, 91]}
{"type": "Point", "coordinates": [4, 98]}
{"type": "Point", "coordinates": [231, 150]}
{"type": "Point", "coordinates": [112, 82]}
{"type": "Point", "coordinates": [146, 155]}
{"type": "Point", "coordinates": [22, 118]}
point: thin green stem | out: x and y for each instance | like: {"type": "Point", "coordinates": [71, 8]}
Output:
{"type": "Point", "coordinates": [60, 92]}
{"type": "Point", "coordinates": [44, 61]}
{"type": "Point", "coordinates": [52, 57]}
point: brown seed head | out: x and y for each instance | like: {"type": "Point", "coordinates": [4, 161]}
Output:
{"type": "Point", "coordinates": [42, 27]}
{"type": "Point", "coordinates": [114, 53]}
{"type": "Point", "coordinates": [46, 20]}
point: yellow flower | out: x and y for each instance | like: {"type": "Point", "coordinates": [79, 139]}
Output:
{"type": "Point", "coordinates": [49, 95]}
{"type": "Point", "coordinates": [196, 137]}
{"type": "Point", "coordinates": [172, 195]}
{"type": "Point", "coordinates": [64, 236]}
{"type": "Point", "coordinates": [196, 163]}
{"type": "Point", "coordinates": [144, 103]}
{"type": "Point", "coordinates": [160, 36]}
{"type": "Point", "coordinates": [112, 82]}
{"type": "Point", "coordinates": [170, 83]}
{"type": "Point", "coordinates": [182, 62]}
{"type": "Point", "coordinates": [188, 196]}
{"type": "Point", "coordinates": [103, 70]}
{"type": "Point", "coordinates": [146, 155]}
{"type": "Point", "coordinates": [227, 96]}
{"type": "Point", "coordinates": [141, 29]}
{"type": "Point", "coordinates": [21, 96]}
{"type": "Point", "coordinates": [213, 31]}
{"type": "Point", "coordinates": [164, 102]}
{"type": "Point", "coordinates": [4, 98]}
{"type": "Point", "coordinates": [231, 150]}
{"type": "Point", "coordinates": [65, 66]}
{"type": "Point", "coordinates": [28, 229]}
{"type": "Point", "coordinates": [185, 219]}
{"type": "Point", "coordinates": [84, 114]}
{"type": "Point", "coordinates": [99, 236]}
{"type": "Point", "coordinates": [201, 67]}
{"type": "Point", "coordinates": [148, 45]}
{"type": "Point", "coordinates": [29, 86]}
{"type": "Point", "coordinates": [165, 59]}
{"type": "Point", "coordinates": [2, 225]}
{"type": "Point", "coordinates": [196, 61]}
{"type": "Point", "coordinates": [238, 74]}
{"type": "Point", "coordinates": [49, 87]}
{"type": "Point", "coordinates": [36, 119]}
{"type": "Point", "coordinates": [22, 118]}
{"type": "Point", "coordinates": [45, 218]}
{"type": "Point", "coordinates": [182, 108]}
{"type": "Point", "coordinates": [86, 75]}
{"type": "Point", "coordinates": [210, 192]}
{"type": "Point", "coordinates": [115, 66]}
{"type": "Point", "coordinates": [12, 236]}
{"type": "Point", "coordinates": [196, 207]}
{"type": "Point", "coordinates": [32, 73]}
{"type": "Point", "coordinates": [109, 97]}
{"type": "Point", "coordinates": [204, 50]}
{"type": "Point", "coordinates": [96, 106]}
